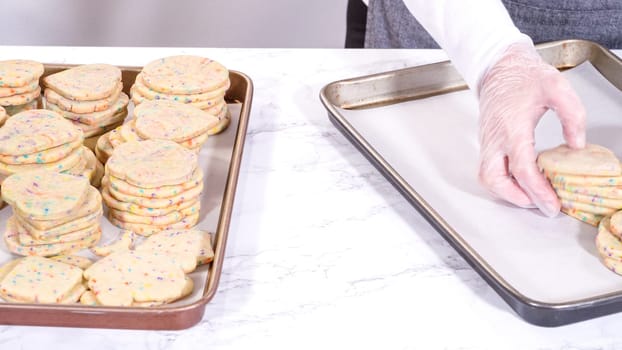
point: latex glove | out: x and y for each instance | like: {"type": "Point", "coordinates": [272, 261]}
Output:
{"type": "Point", "coordinates": [514, 94]}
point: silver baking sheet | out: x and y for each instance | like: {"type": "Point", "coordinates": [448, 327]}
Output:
{"type": "Point", "coordinates": [419, 128]}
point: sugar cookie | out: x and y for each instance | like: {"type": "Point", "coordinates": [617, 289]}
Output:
{"type": "Point", "coordinates": [122, 278]}
{"type": "Point", "coordinates": [19, 73]}
{"type": "Point", "coordinates": [184, 75]}
{"type": "Point", "coordinates": [152, 163]}
{"type": "Point", "coordinates": [36, 130]}
{"type": "Point", "coordinates": [196, 243]}
{"type": "Point", "coordinates": [85, 83]}
{"type": "Point", "coordinates": [41, 280]}
{"type": "Point", "coordinates": [45, 195]}
{"type": "Point", "coordinates": [592, 160]}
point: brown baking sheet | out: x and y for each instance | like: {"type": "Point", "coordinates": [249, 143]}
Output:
{"type": "Point", "coordinates": [220, 160]}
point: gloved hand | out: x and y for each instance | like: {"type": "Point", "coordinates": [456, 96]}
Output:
{"type": "Point", "coordinates": [513, 95]}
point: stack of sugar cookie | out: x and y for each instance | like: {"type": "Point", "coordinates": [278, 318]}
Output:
{"type": "Point", "coordinates": [90, 96]}
{"type": "Point", "coordinates": [36, 279]}
{"type": "Point", "coordinates": [38, 139]}
{"type": "Point", "coordinates": [587, 181]}
{"type": "Point", "coordinates": [197, 81]}
{"type": "Point", "coordinates": [152, 185]}
{"type": "Point", "coordinates": [53, 213]}
{"type": "Point", "coordinates": [166, 120]}
{"type": "Point", "coordinates": [608, 242]}
{"type": "Point", "coordinates": [19, 85]}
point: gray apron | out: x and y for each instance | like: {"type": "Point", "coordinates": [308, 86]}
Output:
{"type": "Point", "coordinates": [391, 25]}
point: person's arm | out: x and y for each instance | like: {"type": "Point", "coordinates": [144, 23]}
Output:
{"type": "Point", "coordinates": [473, 33]}
{"type": "Point", "coordinates": [515, 88]}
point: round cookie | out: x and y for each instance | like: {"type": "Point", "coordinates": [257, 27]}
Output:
{"type": "Point", "coordinates": [588, 218]}
{"type": "Point", "coordinates": [113, 203]}
{"type": "Point", "coordinates": [146, 230]}
{"type": "Point", "coordinates": [49, 155]}
{"type": "Point", "coordinates": [171, 121]}
{"type": "Point", "coordinates": [21, 99]}
{"type": "Point", "coordinates": [165, 219]}
{"type": "Point", "coordinates": [593, 200]}
{"type": "Point", "coordinates": [184, 75]}
{"type": "Point", "coordinates": [36, 130]}
{"type": "Point", "coordinates": [157, 192]}
{"type": "Point", "coordinates": [98, 174]}
{"type": "Point", "coordinates": [195, 142]}
{"type": "Point", "coordinates": [561, 180]}
{"type": "Point", "coordinates": [145, 91]}
{"type": "Point", "coordinates": [13, 110]}
{"type": "Point", "coordinates": [592, 160]}
{"type": "Point", "coordinates": [19, 73]}
{"type": "Point", "coordinates": [152, 163]}
{"type": "Point", "coordinates": [122, 278]}
{"type": "Point", "coordinates": [224, 120]}
{"type": "Point", "coordinates": [138, 99]}
{"type": "Point", "coordinates": [615, 224]}
{"type": "Point", "coordinates": [607, 244]}
{"type": "Point", "coordinates": [127, 132]}
{"type": "Point", "coordinates": [612, 264]}
{"type": "Point", "coordinates": [11, 91]}
{"type": "Point", "coordinates": [45, 194]}
{"type": "Point", "coordinates": [613, 192]}
{"type": "Point", "coordinates": [103, 148]}
{"type": "Point", "coordinates": [88, 82]}
{"type": "Point", "coordinates": [586, 208]}
{"type": "Point", "coordinates": [191, 195]}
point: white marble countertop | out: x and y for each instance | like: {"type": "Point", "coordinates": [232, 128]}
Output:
{"type": "Point", "coordinates": [323, 252]}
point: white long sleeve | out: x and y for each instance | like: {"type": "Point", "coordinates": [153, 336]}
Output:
{"type": "Point", "coordinates": [473, 32]}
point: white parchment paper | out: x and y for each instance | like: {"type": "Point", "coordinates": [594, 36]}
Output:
{"type": "Point", "coordinates": [214, 159]}
{"type": "Point", "coordinates": [432, 143]}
